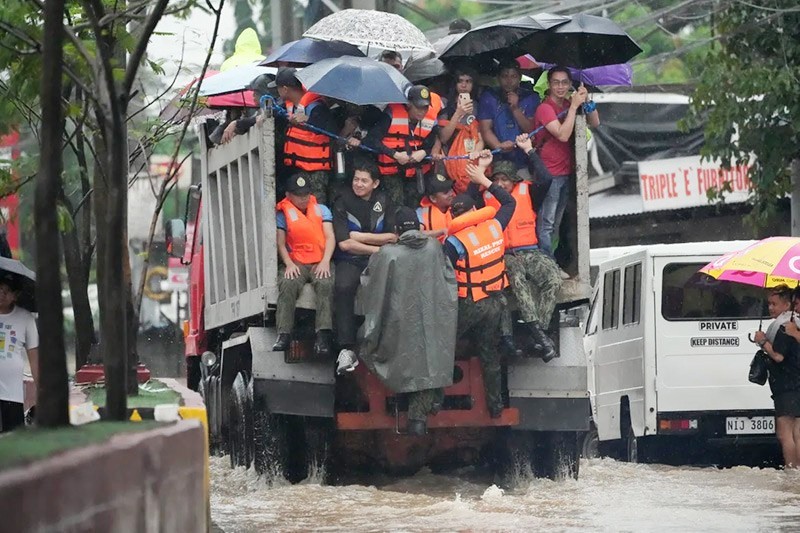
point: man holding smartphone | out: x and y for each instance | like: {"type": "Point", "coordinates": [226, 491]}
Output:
{"type": "Point", "coordinates": [506, 111]}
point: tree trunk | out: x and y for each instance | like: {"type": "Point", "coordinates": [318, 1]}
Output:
{"type": "Point", "coordinates": [100, 200]}
{"type": "Point", "coordinates": [52, 393]}
{"type": "Point", "coordinates": [795, 198]}
{"type": "Point", "coordinates": [78, 288]}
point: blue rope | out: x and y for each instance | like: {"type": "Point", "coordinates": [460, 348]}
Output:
{"type": "Point", "coordinates": [588, 107]}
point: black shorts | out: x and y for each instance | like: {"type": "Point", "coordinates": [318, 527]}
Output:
{"type": "Point", "coordinates": [787, 404]}
{"type": "Point", "coordinates": [12, 415]}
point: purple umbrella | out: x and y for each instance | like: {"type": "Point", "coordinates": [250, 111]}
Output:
{"type": "Point", "coordinates": [619, 74]}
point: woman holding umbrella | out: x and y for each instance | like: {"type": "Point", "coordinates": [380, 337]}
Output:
{"type": "Point", "coordinates": [784, 371]}
{"type": "Point", "coordinates": [18, 333]}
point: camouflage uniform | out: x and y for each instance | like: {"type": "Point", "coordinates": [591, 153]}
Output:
{"type": "Point", "coordinates": [483, 319]}
{"type": "Point", "coordinates": [421, 403]}
{"type": "Point", "coordinates": [401, 190]}
{"type": "Point", "coordinates": [535, 279]}
{"type": "Point", "coordinates": [289, 290]}
{"type": "Point", "coordinates": [318, 181]}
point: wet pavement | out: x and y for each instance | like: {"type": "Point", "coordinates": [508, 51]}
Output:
{"type": "Point", "coordinates": [609, 496]}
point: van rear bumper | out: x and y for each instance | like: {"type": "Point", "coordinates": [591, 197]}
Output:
{"type": "Point", "coordinates": [711, 426]}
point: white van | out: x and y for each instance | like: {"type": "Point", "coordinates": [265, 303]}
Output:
{"type": "Point", "coordinates": [669, 352]}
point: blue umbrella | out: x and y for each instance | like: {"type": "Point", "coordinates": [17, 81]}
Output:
{"type": "Point", "coordinates": [358, 80]}
{"type": "Point", "coordinates": [233, 80]}
{"type": "Point", "coordinates": [307, 51]}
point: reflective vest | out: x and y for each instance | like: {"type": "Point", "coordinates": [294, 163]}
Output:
{"type": "Point", "coordinates": [304, 236]}
{"type": "Point", "coordinates": [432, 217]}
{"type": "Point", "coordinates": [521, 231]}
{"type": "Point", "coordinates": [305, 149]}
{"type": "Point", "coordinates": [400, 138]}
{"type": "Point", "coordinates": [482, 270]}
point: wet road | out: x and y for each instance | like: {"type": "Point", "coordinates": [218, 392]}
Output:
{"type": "Point", "coordinates": [609, 496]}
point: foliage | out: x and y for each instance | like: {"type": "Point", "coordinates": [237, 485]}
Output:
{"type": "Point", "coordinates": [747, 95]}
{"type": "Point", "coordinates": [671, 46]}
{"type": "Point", "coordinates": [445, 11]}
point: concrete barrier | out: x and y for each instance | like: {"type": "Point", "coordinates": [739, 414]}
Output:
{"type": "Point", "coordinates": [149, 481]}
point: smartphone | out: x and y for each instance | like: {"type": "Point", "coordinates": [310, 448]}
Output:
{"type": "Point", "coordinates": [464, 98]}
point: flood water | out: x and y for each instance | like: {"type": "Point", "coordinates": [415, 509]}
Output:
{"type": "Point", "coordinates": [609, 496]}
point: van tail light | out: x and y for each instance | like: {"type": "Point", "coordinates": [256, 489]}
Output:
{"type": "Point", "coordinates": [683, 424]}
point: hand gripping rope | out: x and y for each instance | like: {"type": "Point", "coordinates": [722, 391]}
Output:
{"type": "Point", "coordinates": [267, 102]}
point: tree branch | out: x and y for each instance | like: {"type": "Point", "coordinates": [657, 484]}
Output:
{"type": "Point", "coordinates": [141, 46]}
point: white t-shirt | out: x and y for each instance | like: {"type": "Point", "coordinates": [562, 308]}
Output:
{"type": "Point", "coordinates": [18, 333]}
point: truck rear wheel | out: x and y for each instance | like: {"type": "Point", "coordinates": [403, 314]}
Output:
{"type": "Point", "coordinates": [240, 422]}
{"type": "Point", "coordinates": [560, 457]}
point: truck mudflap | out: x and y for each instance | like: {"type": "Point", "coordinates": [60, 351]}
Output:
{"type": "Point", "coordinates": [306, 389]}
{"type": "Point", "coordinates": [553, 396]}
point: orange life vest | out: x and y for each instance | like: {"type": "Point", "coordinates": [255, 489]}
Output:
{"type": "Point", "coordinates": [304, 236]}
{"type": "Point", "coordinates": [482, 270]}
{"type": "Point", "coordinates": [400, 138]}
{"type": "Point", "coordinates": [464, 142]}
{"type": "Point", "coordinates": [432, 217]}
{"type": "Point", "coordinates": [305, 149]}
{"type": "Point", "coordinates": [521, 231]}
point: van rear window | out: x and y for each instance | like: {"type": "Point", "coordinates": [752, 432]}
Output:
{"type": "Point", "coordinates": [688, 295]}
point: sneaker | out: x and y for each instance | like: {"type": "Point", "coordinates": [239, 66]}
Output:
{"type": "Point", "coordinates": [346, 362]}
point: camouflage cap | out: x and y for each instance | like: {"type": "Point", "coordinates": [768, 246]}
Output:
{"type": "Point", "coordinates": [508, 168]}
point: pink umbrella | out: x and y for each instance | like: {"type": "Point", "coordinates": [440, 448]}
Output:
{"type": "Point", "coordinates": [177, 110]}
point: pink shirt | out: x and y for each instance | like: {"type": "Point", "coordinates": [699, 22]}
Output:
{"type": "Point", "coordinates": [556, 155]}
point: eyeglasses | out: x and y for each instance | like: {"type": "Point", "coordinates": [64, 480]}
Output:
{"type": "Point", "coordinates": [564, 83]}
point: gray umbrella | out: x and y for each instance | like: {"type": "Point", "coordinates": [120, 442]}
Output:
{"type": "Point", "coordinates": [25, 279]}
{"type": "Point", "coordinates": [365, 27]}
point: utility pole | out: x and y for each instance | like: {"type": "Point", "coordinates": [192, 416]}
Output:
{"type": "Point", "coordinates": [795, 196]}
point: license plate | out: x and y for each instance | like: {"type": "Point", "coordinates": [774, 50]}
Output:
{"type": "Point", "coordinates": [742, 425]}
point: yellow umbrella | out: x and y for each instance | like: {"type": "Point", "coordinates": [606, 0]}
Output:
{"type": "Point", "coordinates": [768, 263]}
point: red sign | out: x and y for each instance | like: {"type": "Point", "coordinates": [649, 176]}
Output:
{"type": "Point", "coordinates": [9, 150]}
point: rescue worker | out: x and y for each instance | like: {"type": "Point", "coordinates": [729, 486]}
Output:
{"type": "Point", "coordinates": [476, 247]}
{"type": "Point", "coordinates": [363, 220]}
{"type": "Point", "coordinates": [404, 137]}
{"type": "Point", "coordinates": [408, 295]}
{"type": "Point", "coordinates": [434, 209]}
{"type": "Point", "coordinates": [305, 245]}
{"type": "Point", "coordinates": [303, 149]}
{"type": "Point", "coordinates": [533, 275]}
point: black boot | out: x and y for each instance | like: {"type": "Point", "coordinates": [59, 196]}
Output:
{"type": "Point", "coordinates": [282, 342]}
{"type": "Point", "coordinates": [548, 351]}
{"type": "Point", "coordinates": [322, 346]}
{"type": "Point", "coordinates": [508, 346]}
{"type": "Point", "coordinates": [533, 344]}
{"type": "Point", "coordinates": [416, 427]}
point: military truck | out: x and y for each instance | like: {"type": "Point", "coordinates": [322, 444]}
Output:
{"type": "Point", "coordinates": [289, 413]}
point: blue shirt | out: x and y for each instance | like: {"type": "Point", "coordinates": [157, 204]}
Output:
{"type": "Point", "coordinates": [324, 212]}
{"type": "Point", "coordinates": [504, 126]}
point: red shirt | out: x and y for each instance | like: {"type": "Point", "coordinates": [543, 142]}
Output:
{"type": "Point", "coordinates": [556, 155]}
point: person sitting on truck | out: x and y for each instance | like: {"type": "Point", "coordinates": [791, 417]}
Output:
{"type": "Point", "coordinates": [260, 87]}
{"type": "Point", "coordinates": [404, 137]}
{"type": "Point", "coordinates": [555, 148]}
{"type": "Point", "coordinates": [363, 220]}
{"type": "Point", "coordinates": [784, 372]}
{"type": "Point", "coordinates": [434, 209]}
{"type": "Point", "coordinates": [304, 149]}
{"type": "Point", "coordinates": [534, 276]}
{"type": "Point", "coordinates": [305, 245]}
{"type": "Point", "coordinates": [476, 249]}
{"type": "Point", "coordinates": [459, 131]}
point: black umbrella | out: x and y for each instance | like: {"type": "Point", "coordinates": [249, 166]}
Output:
{"type": "Point", "coordinates": [358, 80]}
{"type": "Point", "coordinates": [23, 278]}
{"type": "Point", "coordinates": [585, 41]}
{"type": "Point", "coordinates": [499, 36]}
{"type": "Point", "coordinates": [306, 51]}
{"type": "Point", "coordinates": [417, 71]}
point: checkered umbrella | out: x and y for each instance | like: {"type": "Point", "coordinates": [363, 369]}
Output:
{"type": "Point", "coordinates": [376, 29]}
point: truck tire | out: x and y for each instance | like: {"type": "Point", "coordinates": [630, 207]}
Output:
{"type": "Point", "coordinates": [590, 447]}
{"type": "Point", "coordinates": [240, 422]}
{"type": "Point", "coordinates": [318, 434]}
{"type": "Point", "coordinates": [275, 449]}
{"type": "Point", "coordinates": [631, 447]}
{"type": "Point", "coordinates": [560, 457]}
